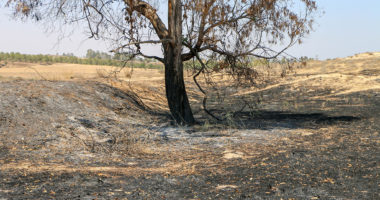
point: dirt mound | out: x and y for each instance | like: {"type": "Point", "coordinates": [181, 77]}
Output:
{"type": "Point", "coordinates": [65, 118]}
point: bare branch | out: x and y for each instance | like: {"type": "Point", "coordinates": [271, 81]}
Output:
{"type": "Point", "coordinates": [140, 42]}
{"type": "Point", "coordinates": [204, 102]}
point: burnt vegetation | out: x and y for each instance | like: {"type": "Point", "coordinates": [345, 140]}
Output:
{"type": "Point", "coordinates": [264, 134]}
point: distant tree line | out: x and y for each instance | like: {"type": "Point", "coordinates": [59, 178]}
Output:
{"type": "Point", "coordinates": [92, 58]}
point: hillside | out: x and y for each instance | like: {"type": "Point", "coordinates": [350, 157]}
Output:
{"type": "Point", "coordinates": [68, 131]}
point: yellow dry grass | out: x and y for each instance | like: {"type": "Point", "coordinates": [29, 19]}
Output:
{"type": "Point", "coordinates": [59, 168]}
{"type": "Point", "coordinates": [138, 80]}
{"type": "Point", "coordinates": [64, 72]}
{"type": "Point", "coordinates": [342, 76]}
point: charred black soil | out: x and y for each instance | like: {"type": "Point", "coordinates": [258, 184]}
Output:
{"type": "Point", "coordinates": [86, 140]}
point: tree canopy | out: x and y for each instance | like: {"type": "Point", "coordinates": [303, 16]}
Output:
{"type": "Point", "coordinates": [227, 27]}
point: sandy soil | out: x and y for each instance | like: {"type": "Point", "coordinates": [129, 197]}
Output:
{"type": "Point", "coordinates": [315, 135]}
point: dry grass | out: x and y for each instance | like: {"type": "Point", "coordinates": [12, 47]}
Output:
{"type": "Point", "coordinates": [341, 76]}
{"type": "Point", "coordinates": [59, 168]}
{"type": "Point", "coordinates": [64, 72]}
{"type": "Point", "coordinates": [149, 83]}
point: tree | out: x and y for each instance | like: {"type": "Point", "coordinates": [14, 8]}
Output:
{"type": "Point", "coordinates": [230, 31]}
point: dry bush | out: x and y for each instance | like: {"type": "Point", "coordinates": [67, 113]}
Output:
{"type": "Point", "coordinates": [133, 142]}
{"type": "Point", "coordinates": [128, 74]}
{"type": "Point", "coordinates": [128, 142]}
{"type": "Point", "coordinates": [102, 73]}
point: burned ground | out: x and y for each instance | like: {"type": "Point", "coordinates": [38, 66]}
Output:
{"type": "Point", "coordinates": [88, 140]}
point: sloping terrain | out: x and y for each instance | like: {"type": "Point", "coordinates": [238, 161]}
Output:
{"type": "Point", "coordinates": [65, 120]}
{"type": "Point", "coordinates": [314, 135]}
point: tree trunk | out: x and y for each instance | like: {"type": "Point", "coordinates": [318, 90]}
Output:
{"type": "Point", "coordinates": [175, 89]}
{"type": "Point", "coordinates": [175, 85]}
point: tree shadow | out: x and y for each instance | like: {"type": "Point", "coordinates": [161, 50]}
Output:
{"type": "Point", "coordinates": [277, 119]}
{"type": "Point", "coordinates": [260, 119]}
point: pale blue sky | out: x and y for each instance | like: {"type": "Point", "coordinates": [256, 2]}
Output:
{"type": "Point", "coordinates": [347, 27]}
